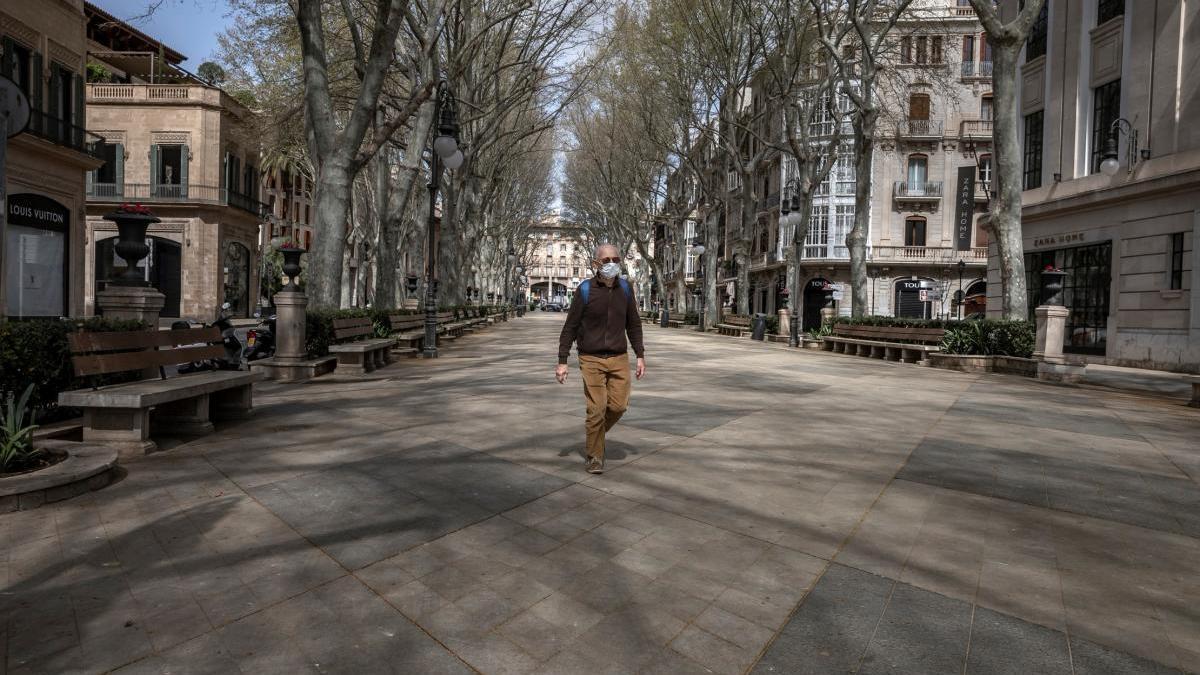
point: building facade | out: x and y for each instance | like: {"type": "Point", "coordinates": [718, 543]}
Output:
{"type": "Point", "coordinates": [189, 151]}
{"type": "Point", "coordinates": [43, 50]}
{"type": "Point", "coordinates": [559, 260]}
{"type": "Point", "coordinates": [1101, 81]}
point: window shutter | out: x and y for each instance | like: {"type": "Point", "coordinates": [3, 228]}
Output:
{"type": "Point", "coordinates": [7, 62]}
{"type": "Point", "coordinates": [185, 158]}
{"type": "Point", "coordinates": [35, 81]}
{"type": "Point", "coordinates": [55, 93]}
{"type": "Point", "coordinates": [154, 169]}
{"type": "Point", "coordinates": [78, 117]}
{"type": "Point", "coordinates": [119, 171]}
{"type": "Point", "coordinates": [228, 166]}
{"type": "Point", "coordinates": [91, 177]}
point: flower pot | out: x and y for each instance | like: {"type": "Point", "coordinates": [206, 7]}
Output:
{"type": "Point", "coordinates": [131, 245]}
{"type": "Point", "coordinates": [1052, 286]}
{"type": "Point", "coordinates": [291, 267]}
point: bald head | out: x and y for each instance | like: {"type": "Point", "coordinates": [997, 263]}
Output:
{"type": "Point", "coordinates": [606, 251]}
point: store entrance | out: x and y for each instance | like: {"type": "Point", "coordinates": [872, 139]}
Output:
{"type": "Point", "coordinates": [1085, 292]}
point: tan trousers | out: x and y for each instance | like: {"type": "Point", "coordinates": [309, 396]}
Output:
{"type": "Point", "coordinates": [606, 388]}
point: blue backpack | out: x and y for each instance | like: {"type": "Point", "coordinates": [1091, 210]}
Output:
{"type": "Point", "coordinates": [586, 285]}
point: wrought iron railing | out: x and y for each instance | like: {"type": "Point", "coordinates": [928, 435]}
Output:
{"type": "Point", "coordinates": [62, 132]}
{"type": "Point", "coordinates": [976, 68]}
{"type": "Point", "coordinates": [976, 129]}
{"type": "Point", "coordinates": [904, 189]}
{"type": "Point", "coordinates": [920, 128]}
{"type": "Point", "coordinates": [174, 193]}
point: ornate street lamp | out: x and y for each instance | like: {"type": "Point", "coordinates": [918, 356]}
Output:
{"type": "Point", "coordinates": [445, 152]}
{"type": "Point", "coordinates": [1110, 163]}
{"type": "Point", "coordinates": [699, 249]}
{"type": "Point", "coordinates": [789, 216]}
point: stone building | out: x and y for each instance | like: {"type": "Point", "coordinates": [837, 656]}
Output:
{"type": "Point", "coordinates": [186, 149]}
{"type": "Point", "coordinates": [42, 50]}
{"type": "Point", "coordinates": [1101, 81]}
{"type": "Point", "coordinates": [559, 260]}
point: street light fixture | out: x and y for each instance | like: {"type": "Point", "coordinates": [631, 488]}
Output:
{"type": "Point", "coordinates": [1110, 163]}
{"type": "Point", "coordinates": [962, 265]}
{"type": "Point", "coordinates": [789, 216]}
{"type": "Point", "coordinates": [699, 249]}
{"type": "Point", "coordinates": [445, 151]}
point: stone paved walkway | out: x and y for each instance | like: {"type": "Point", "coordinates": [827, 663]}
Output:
{"type": "Point", "coordinates": [764, 510]}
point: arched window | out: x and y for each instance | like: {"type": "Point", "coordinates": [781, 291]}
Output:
{"type": "Point", "coordinates": [914, 231]}
{"type": "Point", "coordinates": [985, 107]}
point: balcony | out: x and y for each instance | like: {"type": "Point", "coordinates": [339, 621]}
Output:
{"type": "Point", "coordinates": [977, 69]}
{"type": "Point", "coordinates": [975, 130]}
{"type": "Point", "coordinates": [174, 194]}
{"type": "Point", "coordinates": [920, 192]}
{"type": "Point", "coordinates": [826, 251]}
{"type": "Point", "coordinates": [935, 255]}
{"type": "Point", "coordinates": [768, 203]}
{"type": "Point", "coordinates": [765, 261]}
{"type": "Point", "coordinates": [64, 133]}
{"type": "Point", "coordinates": [919, 129]}
{"type": "Point", "coordinates": [161, 94]}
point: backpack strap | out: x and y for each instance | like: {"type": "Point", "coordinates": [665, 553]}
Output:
{"type": "Point", "coordinates": [625, 287]}
{"type": "Point", "coordinates": [584, 286]}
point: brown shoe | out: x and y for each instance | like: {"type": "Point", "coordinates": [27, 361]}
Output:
{"type": "Point", "coordinates": [595, 465]}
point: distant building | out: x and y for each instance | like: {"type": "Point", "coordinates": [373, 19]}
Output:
{"type": "Point", "coordinates": [1093, 71]}
{"type": "Point", "coordinates": [189, 151]}
{"type": "Point", "coordinates": [560, 260]}
{"type": "Point", "coordinates": [42, 50]}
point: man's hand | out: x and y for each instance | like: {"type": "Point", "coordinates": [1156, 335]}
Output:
{"type": "Point", "coordinates": [641, 368]}
{"type": "Point", "coordinates": [560, 372]}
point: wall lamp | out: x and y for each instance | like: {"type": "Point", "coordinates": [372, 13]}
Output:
{"type": "Point", "coordinates": [1109, 161]}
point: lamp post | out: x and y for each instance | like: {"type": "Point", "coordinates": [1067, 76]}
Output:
{"type": "Point", "coordinates": [789, 217]}
{"type": "Point", "coordinates": [698, 249]}
{"type": "Point", "coordinates": [445, 151]}
{"type": "Point", "coordinates": [962, 265]}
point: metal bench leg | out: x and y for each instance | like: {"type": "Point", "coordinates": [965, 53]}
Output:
{"type": "Point", "coordinates": [187, 416]}
{"type": "Point", "coordinates": [232, 404]}
{"type": "Point", "coordinates": [126, 429]}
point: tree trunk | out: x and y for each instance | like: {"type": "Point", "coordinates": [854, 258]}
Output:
{"type": "Point", "coordinates": [331, 197]}
{"type": "Point", "coordinates": [712, 307]}
{"type": "Point", "coordinates": [1006, 208]}
{"type": "Point", "coordinates": [856, 240]}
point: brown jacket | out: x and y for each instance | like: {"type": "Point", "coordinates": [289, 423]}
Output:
{"type": "Point", "coordinates": [602, 325]}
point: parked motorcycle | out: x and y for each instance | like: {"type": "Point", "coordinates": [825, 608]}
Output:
{"type": "Point", "coordinates": [233, 347]}
{"type": "Point", "coordinates": [260, 340]}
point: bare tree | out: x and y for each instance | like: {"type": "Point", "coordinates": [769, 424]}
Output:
{"type": "Point", "coordinates": [1006, 40]}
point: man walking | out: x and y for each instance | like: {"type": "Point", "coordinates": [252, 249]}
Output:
{"type": "Point", "coordinates": [603, 312]}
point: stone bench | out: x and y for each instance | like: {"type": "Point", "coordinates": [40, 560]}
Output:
{"type": "Point", "coordinates": [734, 325]}
{"type": "Point", "coordinates": [893, 343]}
{"type": "Point", "coordinates": [1195, 380]}
{"type": "Point", "coordinates": [355, 356]}
{"type": "Point", "coordinates": [120, 415]}
{"type": "Point", "coordinates": [408, 330]}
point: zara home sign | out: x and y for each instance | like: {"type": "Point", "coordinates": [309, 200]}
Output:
{"type": "Point", "coordinates": [964, 207]}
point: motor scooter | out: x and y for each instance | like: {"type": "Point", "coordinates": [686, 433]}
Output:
{"type": "Point", "coordinates": [260, 340]}
{"type": "Point", "coordinates": [233, 347]}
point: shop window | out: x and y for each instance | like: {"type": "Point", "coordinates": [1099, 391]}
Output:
{"type": "Point", "coordinates": [1106, 108]}
{"type": "Point", "coordinates": [1176, 269]}
{"type": "Point", "coordinates": [1085, 292]}
{"type": "Point", "coordinates": [36, 256]}
{"type": "Point", "coordinates": [914, 232]}
{"type": "Point", "coordinates": [1032, 171]}
{"type": "Point", "coordinates": [1107, 10]}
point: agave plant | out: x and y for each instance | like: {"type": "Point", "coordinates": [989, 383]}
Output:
{"type": "Point", "coordinates": [16, 438]}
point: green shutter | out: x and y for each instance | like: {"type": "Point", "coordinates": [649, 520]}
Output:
{"type": "Point", "coordinates": [78, 118]}
{"type": "Point", "coordinates": [228, 167]}
{"type": "Point", "coordinates": [7, 62]}
{"type": "Point", "coordinates": [154, 169]}
{"type": "Point", "coordinates": [184, 160]}
{"type": "Point", "coordinates": [55, 92]}
{"type": "Point", "coordinates": [119, 170]}
{"type": "Point", "coordinates": [35, 81]}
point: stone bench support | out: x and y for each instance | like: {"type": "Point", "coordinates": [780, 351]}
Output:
{"type": "Point", "coordinates": [358, 358]}
{"type": "Point", "coordinates": [890, 351]}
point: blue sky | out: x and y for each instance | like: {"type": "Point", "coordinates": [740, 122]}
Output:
{"type": "Point", "coordinates": [188, 26]}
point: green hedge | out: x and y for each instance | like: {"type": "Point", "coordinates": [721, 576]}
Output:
{"type": "Point", "coordinates": [37, 351]}
{"type": "Point", "coordinates": [990, 337]}
{"type": "Point", "coordinates": [894, 321]}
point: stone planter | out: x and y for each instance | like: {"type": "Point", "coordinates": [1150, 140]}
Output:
{"type": "Point", "coordinates": [1052, 287]}
{"type": "Point", "coordinates": [131, 244]}
{"type": "Point", "coordinates": [964, 363]}
{"type": "Point", "coordinates": [291, 266]}
{"type": "Point", "coordinates": [815, 344]}
{"type": "Point", "coordinates": [87, 467]}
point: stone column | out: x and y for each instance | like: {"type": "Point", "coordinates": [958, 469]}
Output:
{"type": "Point", "coordinates": [140, 303]}
{"type": "Point", "coordinates": [785, 322]}
{"type": "Point", "coordinates": [1051, 326]}
{"type": "Point", "coordinates": [827, 315]}
{"type": "Point", "coordinates": [291, 324]}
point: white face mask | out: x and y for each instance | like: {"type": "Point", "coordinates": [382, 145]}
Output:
{"type": "Point", "coordinates": [610, 270]}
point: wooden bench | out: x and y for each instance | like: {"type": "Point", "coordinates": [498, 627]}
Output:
{"type": "Point", "coordinates": [735, 325]}
{"type": "Point", "coordinates": [448, 328]}
{"type": "Point", "coordinates": [894, 343]}
{"type": "Point", "coordinates": [408, 330]}
{"type": "Point", "coordinates": [121, 414]}
{"type": "Point", "coordinates": [359, 356]}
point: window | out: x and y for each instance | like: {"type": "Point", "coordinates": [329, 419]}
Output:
{"type": "Point", "coordinates": [918, 172]}
{"type": "Point", "coordinates": [918, 107]}
{"type": "Point", "coordinates": [1035, 45]}
{"type": "Point", "coordinates": [914, 232]}
{"type": "Point", "coordinates": [1176, 253]}
{"type": "Point", "coordinates": [968, 53]}
{"type": "Point", "coordinates": [985, 171]}
{"type": "Point", "coordinates": [1106, 108]}
{"type": "Point", "coordinates": [574, 271]}
{"type": "Point", "coordinates": [1032, 173]}
{"type": "Point", "coordinates": [935, 49]}
{"type": "Point", "coordinates": [985, 51]}
{"type": "Point", "coordinates": [922, 49]}
{"type": "Point", "coordinates": [17, 62]}
{"type": "Point", "coordinates": [1107, 10]}
{"type": "Point", "coordinates": [986, 111]}
{"type": "Point", "coordinates": [169, 167]}
{"type": "Point", "coordinates": [817, 241]}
